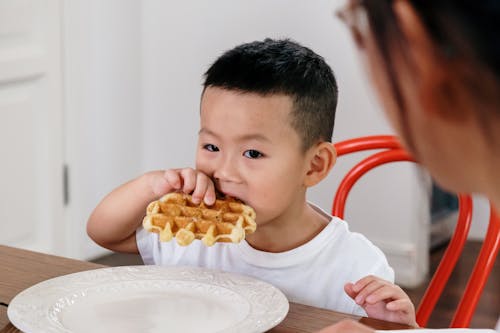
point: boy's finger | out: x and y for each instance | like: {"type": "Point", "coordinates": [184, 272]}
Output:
{"type": "Point", "coordinates": [386, 292]}
{"type": "Point", "coordinates": [349, 291]}
{"type": "Point", "coordinates": [361, 283]}
{"type": "Point", "coordinates": [368, 290]}
{"type": "Point", "coordinates": [204, 185]}
{"type": "Point", "coordinates": [189, 179]}
{"type": "Point", "coordinates": [202, 182]}
{"type": "Point", "coordinates": [210, 194]}
{"type": "Point", "coordinates": [400, 305]}
{"type": "Point", "coordinates": [160, 186]}
{"type": "Point", "coordinates": [173, 178]}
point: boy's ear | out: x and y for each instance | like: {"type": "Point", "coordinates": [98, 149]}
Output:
{"type": "Point", "coordinates": [321, 159]}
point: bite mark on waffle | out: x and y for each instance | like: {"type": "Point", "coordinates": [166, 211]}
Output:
{"type": "Point", "coordinates": [175, 215]}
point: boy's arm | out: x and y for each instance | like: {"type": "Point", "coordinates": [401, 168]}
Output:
{"type": "Point", "coordinates": [114, 221]}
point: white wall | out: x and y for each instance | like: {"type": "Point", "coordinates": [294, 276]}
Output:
{"type": "Point", "coordinates": [102, 106]}
{"type": "Point", "coordinates": [480, 217]}
{"type": "Point", "coordinates": [181, 39]}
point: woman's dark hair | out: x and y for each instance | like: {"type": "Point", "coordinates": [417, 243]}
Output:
{"type": "Point", "coordinates": [464, 32]}
{"type": "Point", "coordinates": [282, 67]}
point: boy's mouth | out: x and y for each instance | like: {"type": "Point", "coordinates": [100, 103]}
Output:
{"type": "Point", "coordinates": [222, 195]}
{"type": "Point", "coordinates": [219, 194]}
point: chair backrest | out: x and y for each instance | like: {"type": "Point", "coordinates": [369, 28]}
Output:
{"type": "Point", "coordinates": [392, 151]}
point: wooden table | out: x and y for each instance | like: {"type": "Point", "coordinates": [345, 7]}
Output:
{"type": "Point", "coordinates": [20, 269]}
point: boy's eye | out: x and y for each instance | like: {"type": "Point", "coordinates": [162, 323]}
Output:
{"type": "Point", "coordinates": [251, 153]}
{"type": "Point", "coordinates": [210, 147]}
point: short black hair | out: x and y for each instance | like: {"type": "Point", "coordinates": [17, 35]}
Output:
{"type": "Point", "coordinates": [282, 67]}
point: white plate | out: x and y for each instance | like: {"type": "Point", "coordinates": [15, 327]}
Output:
{"type": "Point", "coordinates": [149, 299]}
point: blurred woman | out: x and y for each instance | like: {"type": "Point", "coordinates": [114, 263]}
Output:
{"type": "Point", "coordinates": [435, 66]}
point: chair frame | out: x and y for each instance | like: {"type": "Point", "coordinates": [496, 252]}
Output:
{"type": "Point", "coordinates": [394, 152]}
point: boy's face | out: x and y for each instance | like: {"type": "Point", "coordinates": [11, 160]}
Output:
{"type": "Point", "coordinates": [248, 147]}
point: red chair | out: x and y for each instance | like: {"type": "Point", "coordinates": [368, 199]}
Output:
{"type": "Point", "coordinates": [392, 151]}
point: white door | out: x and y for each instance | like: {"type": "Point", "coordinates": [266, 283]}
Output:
{"type": "Point", "coordinates": [31, 146]}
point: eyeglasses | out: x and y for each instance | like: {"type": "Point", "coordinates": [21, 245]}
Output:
{"type": "Point", "coordinates": [353, 14]}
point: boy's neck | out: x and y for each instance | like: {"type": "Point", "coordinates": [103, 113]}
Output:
{"type": "Point", "coordinates": [292, 229]}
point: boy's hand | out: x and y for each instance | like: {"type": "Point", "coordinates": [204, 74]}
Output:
{"type": "Point", "coordinates": [382, 299]}
{"type": "Point", "coordinates": [187, 180]}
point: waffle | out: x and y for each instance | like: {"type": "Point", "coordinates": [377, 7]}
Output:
{"type": "Point", "coordinates": [175, 215]}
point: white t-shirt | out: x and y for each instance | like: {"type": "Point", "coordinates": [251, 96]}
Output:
{"type": "Point", "coordinates": [312, 274]}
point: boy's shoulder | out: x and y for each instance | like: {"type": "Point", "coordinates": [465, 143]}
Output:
{"type": "Point", "coordinates": [354, 240]}
{"type": "Point", "coordinates": [361, 254]}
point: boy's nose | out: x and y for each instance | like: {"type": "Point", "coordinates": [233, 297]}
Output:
{"type": "Point", "coordinates": [226, 171]}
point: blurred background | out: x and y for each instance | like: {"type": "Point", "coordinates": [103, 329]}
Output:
{"type": "Point", "coordinates": [94, 93]}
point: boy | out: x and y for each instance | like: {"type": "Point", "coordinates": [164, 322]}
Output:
{"type": "Point", "coordinates": [267, 115]}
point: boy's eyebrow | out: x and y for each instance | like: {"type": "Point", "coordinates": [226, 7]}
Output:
{"type": "Point", "coordinates": [246, 137]}
{"type": "Point", "coordinates": [256, 136]}
{"type": "Point", "coordinates": [207, 131]}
